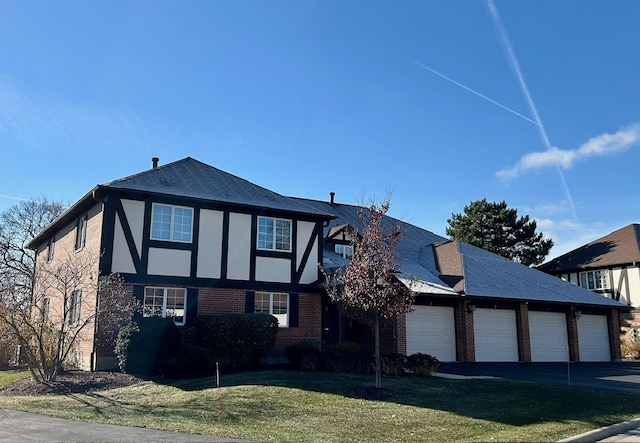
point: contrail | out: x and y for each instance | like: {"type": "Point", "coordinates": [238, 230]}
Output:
{"type": "Point", "coordinates": [470, 90]}
{"type": "Point", "coordinates": [14, 198]}
{"type": "Point", "coordinates": [497, 21]}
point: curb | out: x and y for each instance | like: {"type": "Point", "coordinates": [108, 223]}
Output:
{"type": "Point", "coordinates": [604, 432]}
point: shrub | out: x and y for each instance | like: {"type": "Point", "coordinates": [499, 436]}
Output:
{"type": "Point", "coordinates": [194, 361]}
{"type": "Point", "coordinates": [147, 347]}
{"type": "Point", "coordinates": [393, 365]}
{"type": "Point", "coordinates": [239, 340]}
{"type": "Point", "coordinates": [422, 365]}
{"type": "Point", "coordinates": [305, 355]}
{"type": "Point", "coordinates": [347, 357]}
{"type": "Point", "coordinates": [630, 349]}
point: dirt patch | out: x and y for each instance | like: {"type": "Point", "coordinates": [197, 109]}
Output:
{"type": "Point", "coordinates": [71, 382]}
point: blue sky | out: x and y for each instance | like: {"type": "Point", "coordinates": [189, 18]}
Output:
{"type": "Point", "coordinates": [442, 102]}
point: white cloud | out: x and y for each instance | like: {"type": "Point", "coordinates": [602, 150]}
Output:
{"type": "Point", "coordinates": [604, 144]}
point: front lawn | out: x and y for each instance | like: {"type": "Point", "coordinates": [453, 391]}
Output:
{"type": "Point", "coordinates": [319, 407]}
{"type": "Point", "coordinates": [9, 376]}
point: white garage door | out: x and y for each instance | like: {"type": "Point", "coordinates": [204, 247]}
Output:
{"type": "Point", "coordinates": [496, 336]}
{"type": "Point", "coordinates": [593, 338]}
{"type": "Point", "coordinates": [548, 334]}
{"type": "Point", "coordinates": [431, 330]}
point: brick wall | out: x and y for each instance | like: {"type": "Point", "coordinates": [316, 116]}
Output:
{"type": "Point", "coordinates": [65, 256]}
{"type": "Point", "coordinates": [229, 301]}
{"type": "Point", "coordinates": [524, 339]}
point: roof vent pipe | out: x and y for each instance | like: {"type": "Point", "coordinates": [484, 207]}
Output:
{"type": "Point", "coordinates": [331, 197]}
{"type": "Point", "coordinates": [154, 162]}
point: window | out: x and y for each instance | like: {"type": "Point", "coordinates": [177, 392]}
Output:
{"type": "Point", "coordinates": [74, 309]}
{"type": "Point", "coordinates": [595, 280]}
{"type": "Point", "coordinates": [50, 250]}
{"type": "Point", "coordinates": [45, 308]}
{"type": "Point", "coordinates": [274, 234]}
{"type": "Point", "coordinates": [165, 302]}
{"type": "Point", "coordinates": [81, 233]}
{"type": "Point", "coordinates": [345, 251]}
{"type": "Point", "coordinates": [172, 223]}
{"type": "Point", "coordinates": [275, 304]}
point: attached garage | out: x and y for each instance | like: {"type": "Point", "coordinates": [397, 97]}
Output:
{"type": "Point", "coordinates": [431, 330]}
{"type": "Point", "coordinates": [548, 335]}
{"type": "Point", "coordinates": [496, 336]}
{"type": "Point", "coordinates": [593, 338]}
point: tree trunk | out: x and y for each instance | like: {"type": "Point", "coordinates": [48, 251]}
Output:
{"type": "Point", "coordinates": [377, 351]}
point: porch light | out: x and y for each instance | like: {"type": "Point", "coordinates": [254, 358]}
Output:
{"type": "Point", "coordinates": [577, 313]}
{"type": "Point", "coordinates": [471, 307]}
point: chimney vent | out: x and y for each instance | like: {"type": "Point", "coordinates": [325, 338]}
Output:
{"type": "Point", "coordinates": [154, 162]}
{"type": "Point", "coordinates": [331, 197]}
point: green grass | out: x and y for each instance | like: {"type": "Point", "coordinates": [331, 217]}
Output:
{"type": "Point", "coordinates": [291, 406]}
{"type": "Point", "coordinates": [8, 377]}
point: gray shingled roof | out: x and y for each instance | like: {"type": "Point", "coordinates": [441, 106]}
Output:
{"type": "Point", "coordinates": [489, 275]}
{"type": "Point", "coordinates": [412, 244]}
{"type": "Point", "coordinates": [193, 179]}
{"type": "Point", "coordinates": [416, 258]}
{"type": "Point", "coordinates": [618, 248]}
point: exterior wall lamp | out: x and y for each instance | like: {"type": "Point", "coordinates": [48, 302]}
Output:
{"type": "Point", "coordinates": [471, 308]}
{"type": "Point", "coordinates": [577, 313]}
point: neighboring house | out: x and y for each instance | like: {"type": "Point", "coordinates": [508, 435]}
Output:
{"type": "Point", "coordinates": [609, 266]}
{"type": "Point", "coordinates": [192, 240]}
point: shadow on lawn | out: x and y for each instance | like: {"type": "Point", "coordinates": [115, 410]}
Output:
{"type": "Point", "coordinates": [515, 403]}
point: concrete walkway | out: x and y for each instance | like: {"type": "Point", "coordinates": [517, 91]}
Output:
{"type": "Point", "coordinates": [16, 426]}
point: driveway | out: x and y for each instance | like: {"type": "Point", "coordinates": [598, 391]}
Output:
{"type": "Point", "coordinates": [622, 377]}
{"type": "Point", "coordinates": [16, 426]}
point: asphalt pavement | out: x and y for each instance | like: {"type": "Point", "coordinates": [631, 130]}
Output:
{"type": "Point", "coordinates": [19, 427]}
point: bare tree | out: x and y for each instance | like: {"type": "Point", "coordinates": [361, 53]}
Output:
{"type": "Point", "coordinates": [368, 289]}
{"type": "Point", "coordinates": [18, 226]}
{"type": "Point", "coordinates": [68, 298]}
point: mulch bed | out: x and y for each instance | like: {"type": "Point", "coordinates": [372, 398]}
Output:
{"type": "Point", "coordinates": [71, 382]}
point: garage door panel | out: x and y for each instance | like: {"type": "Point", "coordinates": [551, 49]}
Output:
{"type": "Point", "coordinates": [549, 338]}
{"type": "Point", "coordinates": [495, 335]}
{"type": "Point", "coordinates": [593, 338]}
{"type": "Point", "coordinates": [431, 330]}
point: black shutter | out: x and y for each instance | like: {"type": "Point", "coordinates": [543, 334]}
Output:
{"type": "Point", "coordinates": [250, 302]}
{"type": "Point", "coordinates": [192, 306]}
{"type": "Point", "coordinates": [293, 310]}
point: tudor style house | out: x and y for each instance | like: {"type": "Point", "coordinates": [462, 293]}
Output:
{"type": "Point", "coordinates": [609, 266]}
{"type": "Point", "coordinates": [191, 240]}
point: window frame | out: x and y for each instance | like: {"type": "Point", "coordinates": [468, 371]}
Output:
{"type": "Point", "coordinates": [164, 307]}
{"type": "Point", "coordinates": [75, 308]}
{"type": "Point", "coordinates": [46, 306]}
{"type": "Point", "coordinates": [340, 245]}
{"type": "Point", "coordinates": [274, 234]}
{"type": "Point", "coordinates": [51, 248]}
{"type": "Point", "coordinates": [81, 233]}
{"type": "Point", "coordinates": [172, 223]}
{"type": "Point", "coordinates": [598, 276]}
{"type": "Point", "coordinates": [259, 294]}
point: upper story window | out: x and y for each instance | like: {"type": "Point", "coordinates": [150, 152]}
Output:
{"type": "Point", "coordinates": [165, 302]}
{"type": "Point", "coordinates": [51, 248]}
{"type": "Point", "coordinates": [46, 304]}
{"type": "Point", "coordinates": [275, 304]}
{"type": "Point", "coordinates": [345, 251]}
{"type": "Point", "coordinates": [74, 311]}
{"type": "Point", "coordinates": [81, 233]}
{"type": "Point", "coordinates": [172, 223]}
{"type": "Point", "coordinates": [274, 234]}
{"type": "Point", "coordinates": [595, 280]}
